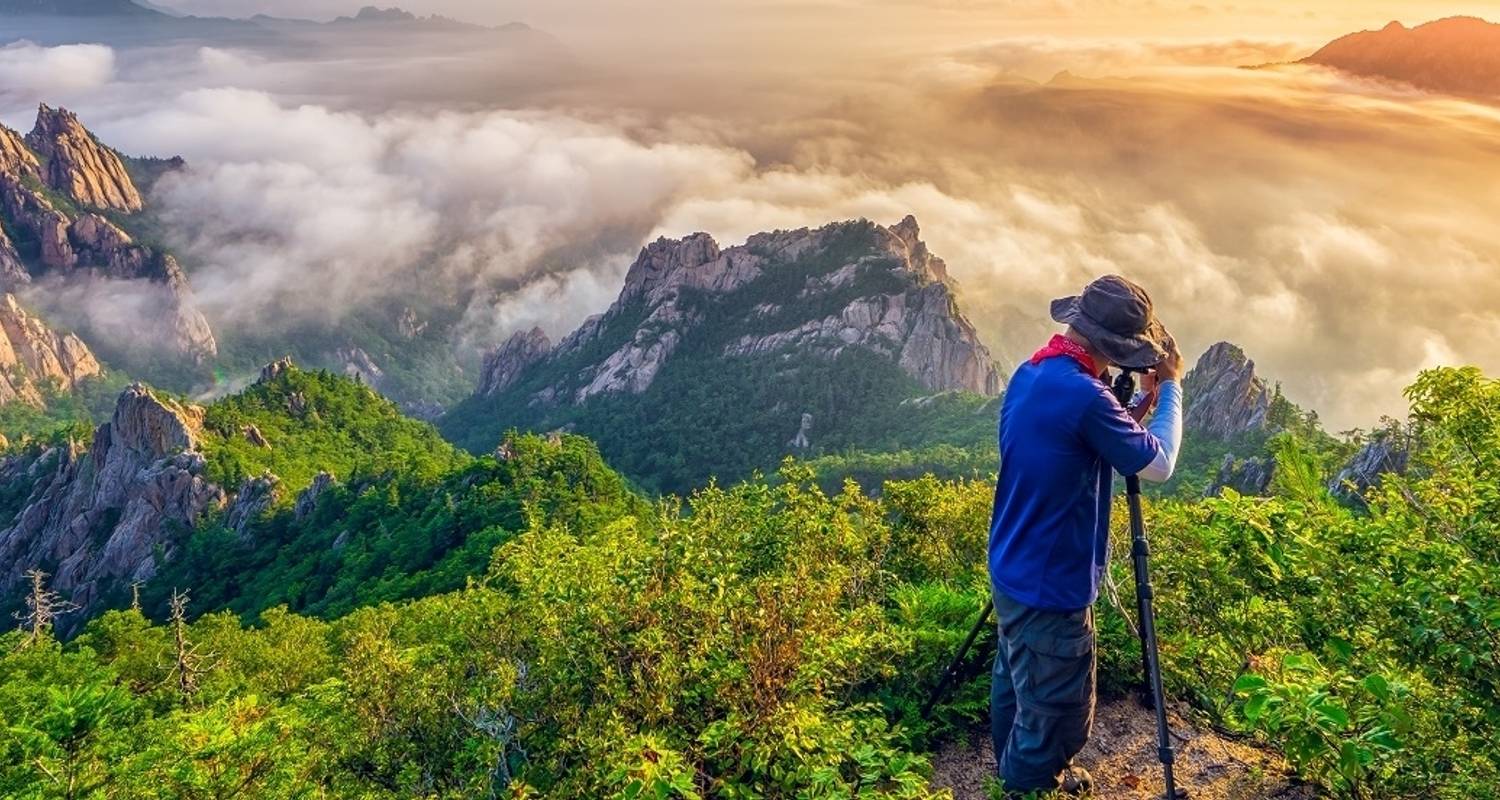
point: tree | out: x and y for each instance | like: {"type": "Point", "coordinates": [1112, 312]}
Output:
{"type": "Point", "coordinates": [43, 607]}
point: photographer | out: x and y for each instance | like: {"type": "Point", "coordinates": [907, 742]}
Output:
{"type": "Point", "coordinates": [1062, 433]}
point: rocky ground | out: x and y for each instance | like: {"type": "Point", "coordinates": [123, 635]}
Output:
{"type": "Point", "coordinates": [1122, 758]}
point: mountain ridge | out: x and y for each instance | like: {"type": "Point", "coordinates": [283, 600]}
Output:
{"type": "Point", "coordinates": [841, 323]}
{"type": "Point", "coordinates": [1455, 55]}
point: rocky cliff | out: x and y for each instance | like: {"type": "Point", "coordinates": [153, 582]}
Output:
{"type": "Point", "coordinates": [97, 518]}
{"type": "Point", "coordinates": [1387, 451]}
{"type": "Point", "coordinates": [1225, 398]}
{"type": "Point", "coordinates": [53, 183]}
{"type": "Point", "coordinates": [798, 294]}
{"type": "Point", "coordinates": [78, 166]}
{"type": "Point", "coordinates": [33, 356]}
{"type": "Point", "coordinates": [1457, 55]}
{"type": "Point", "coordinates": [505, 364]}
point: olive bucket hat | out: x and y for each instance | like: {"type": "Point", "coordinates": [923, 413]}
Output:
{"type": "Point", "coordinates": [1117, 318]}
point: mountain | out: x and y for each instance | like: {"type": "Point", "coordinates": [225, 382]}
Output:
{"type": "Point", "coordinates": [1456, 55]}
{"type": "Point", "coordinates": [1226, 398]}
{"type": "Point", "coordinates": [307, 488]}
{"type": "Point", "coordinates": [66, 201]}
{"type": "Point", "coordinates": [77, 8]}
{"type": "Point", "coordinates": [125, 24]}
{"type": "Point", "coordinates": [718, 361]}
{"type": "Point", "coordinates": [33, 357]}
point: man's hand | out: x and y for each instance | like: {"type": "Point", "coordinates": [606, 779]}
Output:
{"type": "Point", "coordinates": [1147, 397]}
{"type": "Point", "coordinates": [1170, 368]}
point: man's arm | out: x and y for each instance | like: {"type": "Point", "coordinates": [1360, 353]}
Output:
{"type": "Point", "coordinates": [1166, 426]}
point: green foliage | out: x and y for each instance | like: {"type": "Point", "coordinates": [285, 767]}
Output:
{"type": "Point", "coordinates": [317, 421]}
{"type": "Point", "coordinates": [90, 402]}
{"type": "Point", "coordinates": [396, 537]}
{"type": "Point", "coordinates": [765, 639]}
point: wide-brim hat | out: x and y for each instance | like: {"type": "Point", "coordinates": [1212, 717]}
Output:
{"type": "Point", "coordinates": [1117, 317]}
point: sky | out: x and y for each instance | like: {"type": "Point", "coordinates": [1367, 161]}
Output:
{"type": "Point", "coordinates": [1339, 230]}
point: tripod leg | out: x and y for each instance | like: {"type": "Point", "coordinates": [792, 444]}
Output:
{"type": "Point", "coordinates": [1140, 552]}
{"type": "Point", "coordinates": [958, 660]}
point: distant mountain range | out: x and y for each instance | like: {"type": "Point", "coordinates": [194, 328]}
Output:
{"type": "Point", "coordinates": [77, 8]}
{"type": "Point", "coordinates": [1457, 55]}
{"type": "Point", "coordinates": [127, 23]}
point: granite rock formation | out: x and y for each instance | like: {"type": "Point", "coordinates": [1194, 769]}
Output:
{"type": "Point", "coordinates": [78, 166]}
{"type": "Point", "coordinates": [1224, 396]}
{"type": "Point", "coordinates": [873, 288]}
{"type": "Point", "coordinates": [102, 514]}
{"type": "Point", "coordinates": [54, 184]}
{"type": "Point", "coordinates": [33, 356]}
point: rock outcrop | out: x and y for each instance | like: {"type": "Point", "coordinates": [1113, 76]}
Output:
{"type": "Point", "coordinates": [359, 366]}
{"type": "Point", "coordinates": [33, 356]}
{"type": "Point", "coordinates": [853, 285]}
{"type": "Point", "coordinates": [1225, 398]}
{"type": "Point", "coordinates": [72, 246]}
{"type": "Point", "coordinates": [1250, 476]}
{"type": "Point", "coordinates": [307, 500]}
{"type": "Point", "coordinates": [255, 497]}
{"type": "Point", "coordinates": [1387, 451]}
{"type": "Point", "coordinates": [103, 514]}
{"type": "Point", "coordinates": [78, 166]}
{"type": "Point", "coordinates": [504, 365]}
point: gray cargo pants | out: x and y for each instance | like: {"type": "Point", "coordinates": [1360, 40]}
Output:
{"type": "Point", "coordinates": [1041, 692]}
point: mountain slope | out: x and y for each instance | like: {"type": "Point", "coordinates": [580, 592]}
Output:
{"type": "Point", "coordinates": [306, 489]}
{"type": "Point", "coordinates": [66, 201]}
{"type": "Point", "coordinates": [1457, 55]}
{"type": "Point", "coordinates": [715, 362]}
{"type": "Point", "coordinates": [33, 357]}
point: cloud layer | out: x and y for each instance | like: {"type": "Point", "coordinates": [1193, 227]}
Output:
{"type": "Point", "coordinates": [1339, 232]}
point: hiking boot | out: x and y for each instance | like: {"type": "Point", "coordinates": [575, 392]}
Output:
{"type": "Point", "coordinates": [1076, 781]}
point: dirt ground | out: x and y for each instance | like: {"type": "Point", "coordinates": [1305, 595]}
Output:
{"type": "Point", "coordinates": [1121, 755]}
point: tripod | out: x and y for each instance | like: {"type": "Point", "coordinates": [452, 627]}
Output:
{"type": "Point", "coordinates": [1124, 390]}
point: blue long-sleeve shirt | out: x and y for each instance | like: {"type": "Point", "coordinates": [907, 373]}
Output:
{"type": "Point", "coordinates": [1062, 436]}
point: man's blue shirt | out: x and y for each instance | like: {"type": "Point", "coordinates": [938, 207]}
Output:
{"type": "Point", "coordinates": [1062, 434]}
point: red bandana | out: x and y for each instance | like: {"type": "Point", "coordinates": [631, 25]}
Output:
{"type": "Point", "coordinates": [1063, 346]}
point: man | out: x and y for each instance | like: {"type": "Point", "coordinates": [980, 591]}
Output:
{"type": "Point", "coordinates": [1062, 435]}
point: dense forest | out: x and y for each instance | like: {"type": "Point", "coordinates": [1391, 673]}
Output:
{"type": "Point", "coordinates": [527, 624]}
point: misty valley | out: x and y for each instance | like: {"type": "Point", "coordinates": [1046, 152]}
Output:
{"type": "Point", "coordinates": [553, 400]}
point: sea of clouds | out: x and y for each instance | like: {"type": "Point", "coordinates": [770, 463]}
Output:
{"type": "Point", "coordinates": [1339, 231]}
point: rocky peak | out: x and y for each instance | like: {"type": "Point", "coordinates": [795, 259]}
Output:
{"type": "Point", "coordinates": [275, 369]}
{"type": "Point", "coordinates": [664, 261]}
{"type": "Point", "coordinates": [78, 166]}
{"type": "Point", "coordinates": [1225, 397]}
{"type": "Point", "coordinates": [15, 157]}
{"type": "Point", "coordinates": [907, 313]}
{"type": "Point", "coordinates": [918, 259]}
{"type": "Point", "coordinates": [1388, 451]}
{"type": "Point", "coordinates": [153, 427]}
{"type": "Point", "coordinates": [504, 365]}
{"type": "Point", "coordinates": [33, 355]}
{"type": "Point", "coordinates": [105, 515]}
